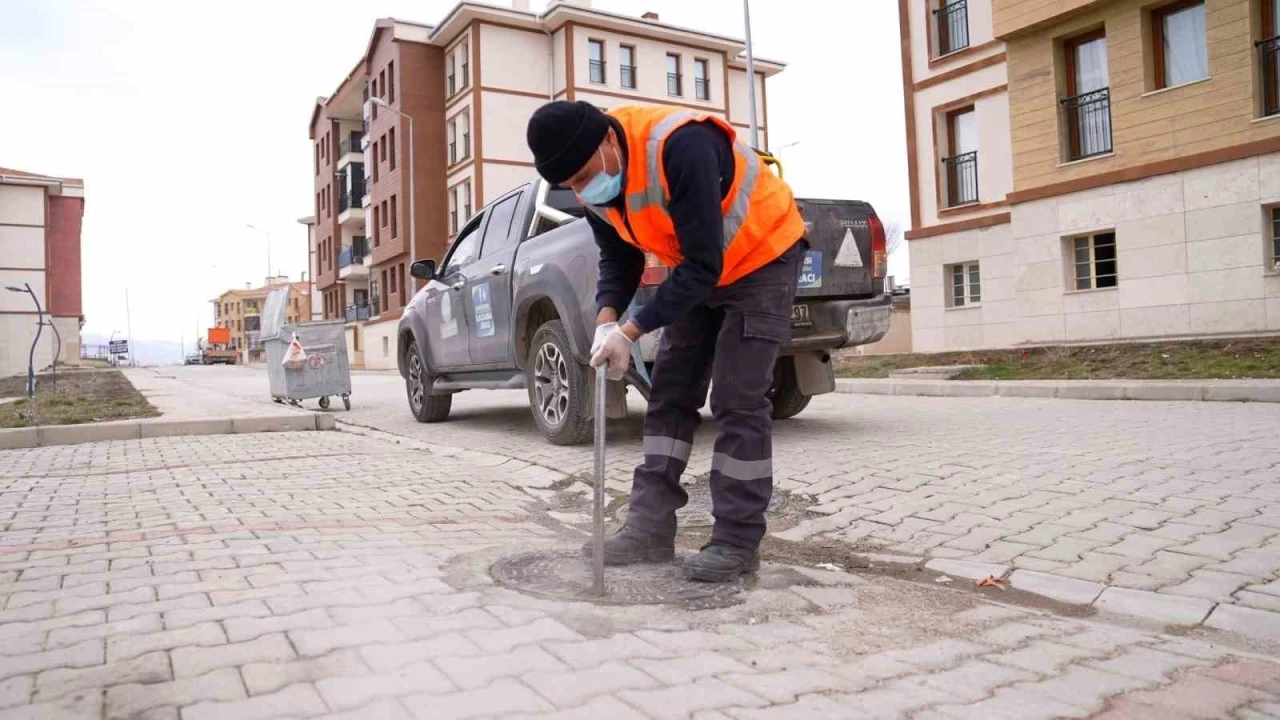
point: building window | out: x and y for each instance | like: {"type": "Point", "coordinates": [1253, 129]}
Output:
{"type": "Point", "coordinates": [384, 295]}
{"type": "Point", "coordinates": [453, 211]}
{"type": "Point", "coordinates": [394, 283]}
{"type": "Point", "coordinates": [375, 160]}
{"type": "Point", "coordinates": [1269, 57]}
{"type": "Point", "coordinates": [465, 52]}
{"type": "Point", "coordinates": [382, 84]}
{"type": "Point", "coordinates": [1087, 107]}
{"type": "Point", "coordinates": [382, 148]}
{"type": "Point", "coordinates": [401, 275]}
{"type": "Point", "coordinates": [384, 213]}
{"type": "Point", "coordinates": [1275, 238]}
{"type": "Point", "coordinates": [595, 49]}
{"type": "Point", "coordinates": [627, 65]}
{"type": "Point", "coordinates": [966, 284]}
{"type": "Point", "coordinates": [464, 126]}
{"type": "Point", "coordinates": [962, 165]}
{"type": "Point", "coordinates": [453, 141]}
{"type": "Point", "coordinates": [674, 80]}
{"type": "Point", "coordinates": [701, 83]}
{"type": "Point", "coordinates": [450, 78]}
{"type": "Point", "coordinates": [1094, 260]}
{"type": "Point", "coordinates": [391, 149]}
{"type": "Point", "coordinates": [1179, 44]}
{"type": "Point", "coordinates": [377, 240]}
{"type": "Point", "coordinates": [466, 201]}
{"type": "Point", "coordinates": [391, 82]}
{"type": "Point", "coordinates": [952, 22]}
{"type": "Point", "coordinates": [394, 218]}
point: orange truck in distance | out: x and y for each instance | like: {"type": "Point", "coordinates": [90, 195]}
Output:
{"type": "Point", "coordinates": [217, 348]}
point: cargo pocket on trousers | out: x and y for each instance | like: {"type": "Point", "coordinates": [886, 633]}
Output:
{"type": "Point", "coordinates": [761, 326]}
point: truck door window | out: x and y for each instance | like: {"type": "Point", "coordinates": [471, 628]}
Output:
{"type": "Point", "coordinates": [465, 249]}
{"type": "Point", "coordinates": [497, 234]}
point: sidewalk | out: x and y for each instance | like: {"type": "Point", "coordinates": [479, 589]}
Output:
{"type": "Point", "coordinates": [334, 575]}
{"type": "Point", "coordinates": [1187, 390]}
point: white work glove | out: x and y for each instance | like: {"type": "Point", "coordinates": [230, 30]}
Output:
{"type": "Point", "coordinates": [611, 348]}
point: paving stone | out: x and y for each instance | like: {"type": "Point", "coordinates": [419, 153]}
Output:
{"type": "Point", "coordinates": [591, 653]}
{"type": "Point", "coordinates": [967, 568]}
{"type": "Point", "coordinates": [573, 687]}
{"type": "Point", "coordinates": [1245, 621]}
{"type": "Point", "coordinates": [1062, 589]}
{"type": "Point", "coordinates": [347, 693]}
{"type": "Point", "coordinates": [247, 627]}
{"type": "Point", "coordinates": [673, 671]}
{"type": "Point", "coordinates": [1198, 697]}
{"type": "Point", "coordinates": [1223, 545]}
{"type": "Point", "coordinates": [827, 597]}
{"type": "Point", "coordinates": [62, 637]}
{"type": "Point", "coordinates": [1259, 675]}
{"type": "Point", "coordinates": [1012, 634]}
{"type": "Point", "coordinates": [16, 690]}
{"type": "Point", "coordinates": [804, 654]}
{"type": "Point", "coordinates": [430, 625]}
{"type": "Point", "coordinates": [82, 654]}
{"type": "Point", "coordinates": [388, 657]}
{"type": "Point", "coordinates": [119, 613]}
{"type": "Point", "coordinates": [691, 641]}
{"type": "Point", "coordinates": [935, 655]}
{"type": "Point", "coordinates": [770, 634]}
{"type": "Point", "coordinates": [1210, 585]}
{"type": "Point", "coordinates": [1010, 704]}
{"type": "Point", "coordinates": [1082, 687]}
{"type": "Point", "coordinates": [1096, 567]}
{"type": "Point", "coordinates": [1125, 709]}
{"type": "Point", "coordinates": [809, 707]}
{"type": "Point", "coordinates": [1138, 545]}
{"type": "Point", "coordinates": [1145, 664]}
{"type": "Point", "coordinates": [894, 699]}
{"type": "Point", "coordinates": [502, 640]}
{"type": "Point", "coordinates": [175, 619]}
{"type": "Point", "coordinates": [975, 679]}
{"type": "Point", "coordinates": [260, 678]}
{"type": "Point", "coordinates": [504, 697]}
{"type": "Point", "coordinates": [1042, 656]}
{"type": "Point", "coordinates": [1152, 606]}
{"type": "Point", "coordinates": [385, 709]}
{"type": "Point", "coordinates": [193, 661]}
{"type": "Point", "coordinates": [126, 701]}
{"type": "Point", "coordinates": [310, 643]}
{"type": "Point", "coordinates": [72, 707]}
{"type": "Point", "coordinates": [145, 669]}
{"type": "Point", "coordinates": [600, 708]}
{"type": "Point", "coordinates": [293, 701]}
{"type": "Point", "coordinates": [681, 701]}
{"type": "Point", "coordinates": [123, 647]}
{"type": "Point", "coordinates": [473, 672]}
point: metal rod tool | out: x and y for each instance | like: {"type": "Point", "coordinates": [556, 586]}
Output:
{"type": "Point", "coordinates": [597, 538]}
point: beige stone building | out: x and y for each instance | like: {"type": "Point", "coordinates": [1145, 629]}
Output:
{"type": "Point", "coordinates": [470, 84]}
{"type": "Point", "coordinates": [1092, 170]}
{"type": "Point", "coordinates": [240, 311]}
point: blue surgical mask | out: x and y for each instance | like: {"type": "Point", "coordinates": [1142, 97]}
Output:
{"type": "Point", "coordinates": [603, 187]}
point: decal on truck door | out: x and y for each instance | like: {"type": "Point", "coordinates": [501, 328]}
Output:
{"type": "Point", "coordinates": [811, 271]}
{"type": "Point", "coordinates": [448, 326]}
{"type": "Point", "coordinates": [483, 309]}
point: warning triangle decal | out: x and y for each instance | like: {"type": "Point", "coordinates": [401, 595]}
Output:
{"type": "Point", "coordinates": [849, 255]}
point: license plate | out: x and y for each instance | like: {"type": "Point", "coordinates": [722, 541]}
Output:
{"type": "Point", "coordinates": [800, 316]}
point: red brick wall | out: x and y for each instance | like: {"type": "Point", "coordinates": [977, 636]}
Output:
{"type": "Point", "coordinates": [62, 240]}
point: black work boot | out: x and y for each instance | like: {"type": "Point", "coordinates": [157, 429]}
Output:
{"type": "Point", "coordinates": [720, 563]}
{"type": "Point", "coordinates": [632, 545]}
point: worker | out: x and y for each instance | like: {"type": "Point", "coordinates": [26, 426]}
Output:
{"type": "Point", "coordinates": [678, 184]}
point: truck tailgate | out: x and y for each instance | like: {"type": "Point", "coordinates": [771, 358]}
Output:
{"type": "Point", "coordinates": [840, 258]}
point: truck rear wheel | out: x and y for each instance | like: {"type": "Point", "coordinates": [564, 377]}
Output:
{"type": "Point", "coordinates": [787, 399]}
{"type": "Point", "coordinates": [425, 407]}
{"type": "Point", "coordinates": [558, 389]}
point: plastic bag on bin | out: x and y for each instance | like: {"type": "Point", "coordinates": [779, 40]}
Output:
{"type": "Point", "coordinates": [295, 358]}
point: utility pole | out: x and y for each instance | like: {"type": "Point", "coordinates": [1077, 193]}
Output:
{"type": "Point", "coordinates": [751, 75]}
{"type": "Point", "coordinates": [128, 318]}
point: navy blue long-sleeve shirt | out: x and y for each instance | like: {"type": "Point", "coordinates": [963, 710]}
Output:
{"type": "Point", "coordinates": [699, 166]}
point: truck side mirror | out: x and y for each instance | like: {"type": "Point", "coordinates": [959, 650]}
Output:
{"type": "Point", "coordinates": [423, 269]}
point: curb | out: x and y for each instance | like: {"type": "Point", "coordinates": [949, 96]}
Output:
{"type": "Point", "coordinates": [49, 435]}
{"type": "Point", "coordinates": [1163, 608]}
{"type": "Point", "coordinates": [1152, 390]}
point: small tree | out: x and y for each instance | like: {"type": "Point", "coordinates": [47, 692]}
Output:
{"type": "Point", "coordinates": [893, 236]}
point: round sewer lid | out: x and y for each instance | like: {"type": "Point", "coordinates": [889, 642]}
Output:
{"type": "Point", "coordinates": [566, 575]}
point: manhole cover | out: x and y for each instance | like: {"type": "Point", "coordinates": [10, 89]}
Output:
{"type": "Point", "coordinates": [566, 575]}
{"type": "Point", "coordinates": [697, 512]}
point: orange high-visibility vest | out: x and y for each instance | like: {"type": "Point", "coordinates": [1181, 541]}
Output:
{"type": "Point", "coordinates": [761, 220]}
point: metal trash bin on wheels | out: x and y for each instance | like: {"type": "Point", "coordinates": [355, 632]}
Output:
{"type": "Point", "coordinates": [325, 372]}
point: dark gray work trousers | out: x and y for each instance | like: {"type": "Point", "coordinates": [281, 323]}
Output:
{"type": "Point", "coordinates": [733, 340]}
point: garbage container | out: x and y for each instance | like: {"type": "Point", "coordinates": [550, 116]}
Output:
{"type": "Point", "coordinates": [321, 370]}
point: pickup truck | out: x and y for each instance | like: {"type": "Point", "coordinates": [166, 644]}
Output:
{"type": "Point", "coordinates": [512, 306]}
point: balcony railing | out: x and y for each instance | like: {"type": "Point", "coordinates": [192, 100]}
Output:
{"type": "Point", "coordinates": [356, 313]}
{"type": "Point", "coordinates": [597, 71]}
{"type": "Point", "coordinates": [675, 84]}
{"type": "Point", "coordinates": [702, 89]}
{"type": "Point", "coordinates": [354, 253]}
{"type": "Point", "coordinates": [953, 26]}
{"type": "Point", "coordinates": [352, 195]}
{"type": "Point", "coordinates": [351, 144]}
{"type": "Point", "coordinates": [452, 82]}
{"type": "Point", "coordinates": [1088, 120]}
{"type": "Point", "coordinates": [628, 76]}
{"type": "Point", "coordinates": [1269, 57]}
{"type": "Point", "coordinates": [962, 179]}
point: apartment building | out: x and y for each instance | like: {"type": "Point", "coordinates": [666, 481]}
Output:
{"type": "Point", "coordinates": [40, 222]}
{"type": "Point", "coordinates": [1092, 170]}
{"type": "Point", "coordinates": [241, 312]}
{"type": "Point", "coordinates": [469, 85]}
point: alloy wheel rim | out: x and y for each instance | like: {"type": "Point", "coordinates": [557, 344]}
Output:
{"type": "Point", "coordinates": [551, 384]}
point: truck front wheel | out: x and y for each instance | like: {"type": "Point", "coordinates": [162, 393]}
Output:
{"type": "Point", "coordinates": [425, 407]}
{"type": "Point", "coordinates": [558, 389]}
{"type": "Point", "coordinates": [787, 399]}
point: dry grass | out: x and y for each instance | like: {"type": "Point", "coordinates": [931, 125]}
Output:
{"type": "Point", "coordinates": [1249, 358]}
{"type": "Point", "coordinates": [80, 397]}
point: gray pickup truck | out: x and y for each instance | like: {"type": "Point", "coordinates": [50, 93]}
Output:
{"type": "Point", "coordinates": [513, 306]}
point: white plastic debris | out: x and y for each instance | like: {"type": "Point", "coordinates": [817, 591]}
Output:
{"type": "Point", "coordinates": [942, 579]}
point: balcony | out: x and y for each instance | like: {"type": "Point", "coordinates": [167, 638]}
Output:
{"type": "Point", "coordinates": [350, 150]}
{"type": "Point", "coordinates": [351, 260]}
{"type": "Point", "coordinates": [628, 76]}
{"type": "Point", "coordinates": [953, 26]}
{"type": "Point", "coordinates": [351, 192]}
{"type": "Point", "coordinates": [702, 89]}
{"type": "Point", "coordinates": [1088, 121]}
{"type": "Point", "coordinates": [962, 179]}
{"type": "Point", "coordinates": [1269, 57]}
{"type": "Point", "coordinates": [597, 71]}
{"type": "Point", "coordinates": [675, 84]}
{"type": "Point", "coordinates": [358, 313]}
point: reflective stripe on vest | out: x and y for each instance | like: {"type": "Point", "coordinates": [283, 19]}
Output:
{"type": "Point", "coordinates": [653, 195]}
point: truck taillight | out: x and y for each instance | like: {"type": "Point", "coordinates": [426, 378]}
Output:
{"type": "Point", "coordinates": [879, 248]}
{"type": "Point", "coordinates": [654, 271]}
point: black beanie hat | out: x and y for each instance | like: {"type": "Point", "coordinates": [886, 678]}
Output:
{"type": "Point", "coordinates": [563, 136]}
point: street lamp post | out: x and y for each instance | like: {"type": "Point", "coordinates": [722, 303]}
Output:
{"type": "Point", "coordinates": [31, 357]}
{"type": "Point", "coordinates": [413, 198]}
{"type": "Point", "coordinates": [751, 74]}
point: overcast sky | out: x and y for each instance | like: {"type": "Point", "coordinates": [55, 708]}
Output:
{"type": "Point", "coordinates": [189, 121]}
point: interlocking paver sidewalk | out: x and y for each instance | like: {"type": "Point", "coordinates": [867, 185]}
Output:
{"type": "Point", "coordinates": [332, 575]}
